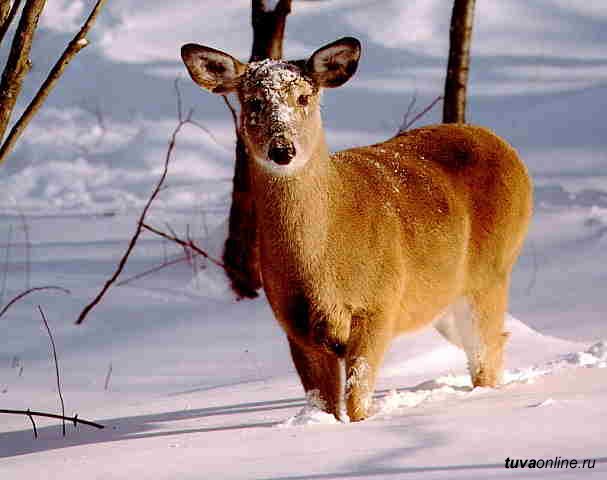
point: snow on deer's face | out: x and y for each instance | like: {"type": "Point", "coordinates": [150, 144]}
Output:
{"type": "Point", "coordinates": [280, 114]}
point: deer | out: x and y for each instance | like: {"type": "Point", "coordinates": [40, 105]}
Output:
{"type": "Point", "coordinates": [365, 244]}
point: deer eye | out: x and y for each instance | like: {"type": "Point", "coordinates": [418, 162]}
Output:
{"type": "Point", "coordinates": [303, 100]}
{"type": "Point", "coordinates": [255, 105]}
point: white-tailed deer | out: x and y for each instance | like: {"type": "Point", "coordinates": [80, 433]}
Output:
{"type": "Point", "coordinates": [360, 246]}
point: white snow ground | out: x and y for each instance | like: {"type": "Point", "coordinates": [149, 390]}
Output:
{"type": "Point", "coordinates": [202, 386]}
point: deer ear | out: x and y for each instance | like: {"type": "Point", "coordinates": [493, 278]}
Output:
{"type": "Point", "coordinates": [334, 64]}
{"type": "Point", "coordinates": [212, 69]}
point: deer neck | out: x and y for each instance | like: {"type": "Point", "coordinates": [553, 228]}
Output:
{"type": "Point", "coordinates": [293, 210]}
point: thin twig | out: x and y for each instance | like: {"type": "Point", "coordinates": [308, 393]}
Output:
{"type": "Point", "coordinates": [409, 124]}
{"type": "Point", "coordinates": [531, 284]}
{"type": "Point", "coordinates": [408, 112]}
{"type": "Point", "coordinates": [27, 292]}
{"type": "Point", "coordinates": [191, 245]}
{"type": "Point", "coordinates": [186, 244]}
{"type": "Point", "coordinates": [165, 264]}
{"type": "Point", "coordinates": [232, 111]}
{"type": "Point", "coordinates": [182, 121]}
{"type": "Point", "coordinates": [7, 258]}
{"type": "Point", "coordinates": [179, 100]}
{"type": "Point", "coordinates": [78, 43]}
{"type": "Point", "coordinates": [75, 419]}
{"type": "Point", "coordinates": [28, 249]}
{"type": "Point", "coordinates": [106, 384]}
{"type": "Point", "coordinates": [206, 130]}
{"type": "Point", "coordinates": [29, 414]}
{"type": "Point", "coordinates": [48, 329]}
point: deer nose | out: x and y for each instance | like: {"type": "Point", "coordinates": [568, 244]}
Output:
{"type": "Point", "coordinates": [281, 152]}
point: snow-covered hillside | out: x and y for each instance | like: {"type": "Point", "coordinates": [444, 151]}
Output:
{"type": "Point", "coordinates": [202, 386]}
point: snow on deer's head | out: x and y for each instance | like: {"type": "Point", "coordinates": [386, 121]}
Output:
{"type": "Point", "coordinates": [280, 100]}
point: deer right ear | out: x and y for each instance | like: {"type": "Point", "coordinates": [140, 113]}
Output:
{"type": "Point", "coordinates": [212, 69]}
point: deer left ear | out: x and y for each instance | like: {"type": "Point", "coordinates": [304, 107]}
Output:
{"type": "Point", "coordinates": [334, 64]}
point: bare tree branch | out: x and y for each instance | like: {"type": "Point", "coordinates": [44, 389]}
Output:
{"type": "Point", "coordinates": [407, 124]}
{"type": "Point", "coordinates": [7, 15]}
{"type": "Point", "coordinates": [78, 43]}
{"type": "Point", "coordinates": [5, 10]}
{"type": "Point", "coordinates": [181, 122]}
{"type": "Point", "coordinates": [18, 63]}
{"type": "Point", "coordinates": [186, 244]}
{"type": "Point", "coordinates": [27, 292]}
{"type": "Point", "coordinates": [48, 329]}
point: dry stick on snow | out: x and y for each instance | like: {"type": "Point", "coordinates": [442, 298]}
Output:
{"type": "Point", "coordinates": [27, 292]}
{"type": "Point", "coordinates": [13, 85]}
{"type": "Point", "coordinates": [48, 329]}
{"type": "Point", "coordinates": [181, 122]}
{"type": "Point", "coordinates": [30, 413]}
{"type": "Point", "coordinates": [7, 15]}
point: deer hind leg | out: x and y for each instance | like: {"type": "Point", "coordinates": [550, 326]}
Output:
{"type": "Point", "coordinates": [480, 321]}
{"type": "Point", "coordinates": [369, 340]}
{"type": "Point", "coordinates": [321, 377]}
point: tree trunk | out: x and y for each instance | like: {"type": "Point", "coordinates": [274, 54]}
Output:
{"type": "Point", "coordinates": [18, 62]}
{"type": "Point", "coordinates": [241, 253]}
{"type": "Point", "coordinates": [460, 37]}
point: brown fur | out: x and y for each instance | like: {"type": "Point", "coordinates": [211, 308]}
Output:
{"type": "Point", "coordinates": [372, 242]}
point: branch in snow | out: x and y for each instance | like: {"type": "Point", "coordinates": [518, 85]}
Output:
{"type": "Point", "coordinates": [181, 122]}
{"type": "Point", "coordinates": [31, 414]}
{"type": "Point", "coordinates": [19, 62]}
{"type": "Point", "coordinates": [48, 329]}
{"type": "Point", "coordinates": [27, 292]}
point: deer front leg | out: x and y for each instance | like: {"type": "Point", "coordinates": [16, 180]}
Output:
{"type": "Point", "coordinates": [368, 343]}
{"type": "Point", "coordinates": [320, 376]}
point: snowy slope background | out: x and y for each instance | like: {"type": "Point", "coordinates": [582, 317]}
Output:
{"type": "Point", "coordinates": [202, 386]}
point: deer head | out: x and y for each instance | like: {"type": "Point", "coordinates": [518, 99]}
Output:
{"type": "Point", "coordinates": [280, 100]}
